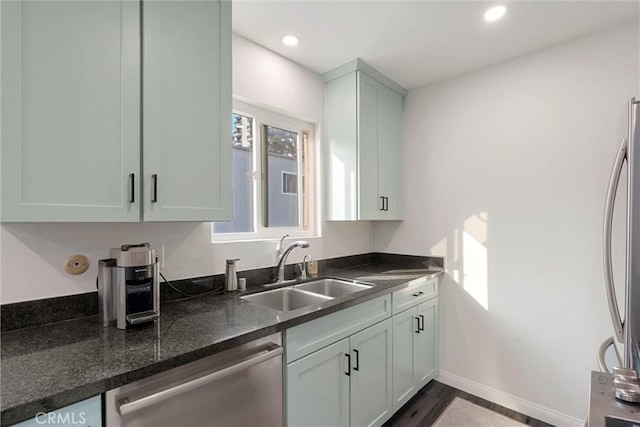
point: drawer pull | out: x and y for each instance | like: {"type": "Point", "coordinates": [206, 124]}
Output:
{"type": "Point", "coordinates": [418, 294]}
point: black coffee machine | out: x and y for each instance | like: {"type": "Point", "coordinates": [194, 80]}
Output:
{"type": "Point", "coordinates": [128, 286]}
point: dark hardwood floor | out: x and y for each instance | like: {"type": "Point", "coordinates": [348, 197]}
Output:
{"type": "Point", "coordinates": [430, 402]}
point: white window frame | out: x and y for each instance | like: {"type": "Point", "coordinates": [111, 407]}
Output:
{"type": "Point", "coordinates": [262, 116]}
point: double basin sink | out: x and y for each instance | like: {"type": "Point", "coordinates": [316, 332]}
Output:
{"type": "Point", "coordinates": [306, 294]}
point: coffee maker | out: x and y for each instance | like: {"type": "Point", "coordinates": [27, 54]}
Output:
{"type": "Point", "coordinates": [128, 286]}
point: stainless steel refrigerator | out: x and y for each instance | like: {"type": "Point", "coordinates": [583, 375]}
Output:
{"type": "Point", "coordinates": [626, 320]}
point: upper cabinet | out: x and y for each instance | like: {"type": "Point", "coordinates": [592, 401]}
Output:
{"type": "Point", "coordinates": [363, 135]}
{"type": "Point", "coordinates": [116, 111]}
{"type": "Point", "coordinates": [186, 86]}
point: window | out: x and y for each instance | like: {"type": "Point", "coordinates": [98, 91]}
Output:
{"type": "Point", "coordinates": [272, 176]}
{"type": "Point", "coordinates": [289, 183]}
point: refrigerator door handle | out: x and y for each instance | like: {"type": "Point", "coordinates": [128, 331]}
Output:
{"type": "Point", "coordinates": [608, 224]}
{"type": "Point", "coordinates": [602, 364]}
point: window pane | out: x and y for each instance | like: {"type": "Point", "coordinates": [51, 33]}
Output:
{"type": "Point", "coordinates": [281, 175]}
{"type": "Point", "coordinates": [242, 143]}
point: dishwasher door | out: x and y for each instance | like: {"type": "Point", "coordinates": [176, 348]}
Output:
{"type": "Point", "coordinates": [237, 387]}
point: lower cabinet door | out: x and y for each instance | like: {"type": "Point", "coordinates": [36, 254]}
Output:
{"type": "Point", "coordinates": [318, 388]}
{"type": "Point", "coordinates": [405, 334]}
{"type": "Point", "coordinates": [371, 376]}
{"type": "Point", "coordinates": [87, 413]}
{"type": "Point", "coordinates": [427, 359]}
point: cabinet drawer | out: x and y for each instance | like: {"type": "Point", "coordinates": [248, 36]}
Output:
{"type": "Point", "coordinates": [316, 334]}
{"type": "Point", "coordinates": [419, 290]}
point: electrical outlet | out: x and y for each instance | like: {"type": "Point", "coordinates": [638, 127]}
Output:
{"type": "Point", "coordinates": [76, 264]}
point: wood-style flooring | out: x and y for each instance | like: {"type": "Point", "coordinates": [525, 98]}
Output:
{"type": "Point", "coordinates": [430, 402]}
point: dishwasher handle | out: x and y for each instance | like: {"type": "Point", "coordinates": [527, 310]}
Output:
{"type": "Point", "coordinates": [126, 407]}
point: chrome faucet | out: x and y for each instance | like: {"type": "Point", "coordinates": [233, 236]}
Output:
{"type": "Point", "coordinates": [285, 254]}
{"type": "Point", "coordinates": [279, 247]}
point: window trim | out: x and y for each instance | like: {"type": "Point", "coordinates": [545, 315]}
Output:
{"type": "Point", "coordinates": [286, 121]}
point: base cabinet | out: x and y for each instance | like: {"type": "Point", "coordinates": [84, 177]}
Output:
{"type": "Point", "coordinates": [87, 413]}
{"type": "Point", "coordinates": [318, 388]}
{"type": "Point", "coordinates": [415, 350]}
{"type": "Point", "coordinates": [346, 383]}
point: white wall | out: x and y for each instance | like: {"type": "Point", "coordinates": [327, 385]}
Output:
{"type": "Point", "coordinates": [506, 170]}
{"type": "Point", "coordinates": [32, 255]}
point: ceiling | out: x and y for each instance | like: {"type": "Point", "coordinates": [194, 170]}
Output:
{"type": "Point", "coordinates": [419, 42]}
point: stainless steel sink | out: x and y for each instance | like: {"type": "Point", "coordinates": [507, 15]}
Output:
{"type": "Point", "coordinates": [333, 287]}
{"type": "Point", "coordinates": [286, 299]}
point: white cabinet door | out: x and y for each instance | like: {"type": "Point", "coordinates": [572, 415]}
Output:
{"type": "Point", "coordinates": [390, 154]}
{"type": "Point", "coordinates": [86, 413]}
{"type": "Point", "coordinates": [427, 358]}
{"type": "Point", "coordinates": [405, 331]}
{"type": "Point", "coordinates": [371, 376]}
{"type": "Point", "coordinates": [70, 110]}
{"type": "Point", "coordinates": [415, 350]}
{"type": "Point", "coordinates": [369, 101]}
{"type": "Point", "coordinates": [318, 388]}
{"type": "Point", "coordinates": [187, 110]}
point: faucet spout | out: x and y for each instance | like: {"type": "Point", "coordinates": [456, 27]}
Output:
{"type": "Point", "coordinates": [283, 258]}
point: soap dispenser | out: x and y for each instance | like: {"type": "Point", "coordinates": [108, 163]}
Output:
{"type": "Point", "coordinates": [231, 276]}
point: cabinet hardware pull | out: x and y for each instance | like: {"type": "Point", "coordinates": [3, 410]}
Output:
{"type": "Point", "coordinates": [418, 330]}
{"type": "Point", "coordinates": [132, 188]}
{"type": "Point", "coordinates": [418, 294]}
{"type": "Point", "coordinates": [348, 373]}
{"type": "Point", "coordinates": [154, 195]}
{"type": "Point", "coordinates": [421, 323]}
{"type": "Point", "coordinates": [357, 365]}
{"type": "Point", "coordinates": [382, 198]}
{"type": "Point", "coordinates": [386, 203]}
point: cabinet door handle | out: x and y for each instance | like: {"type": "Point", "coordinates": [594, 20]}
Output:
{"type": "Point", "coordinates": [382, 198]}
{"type": "Point", "coordinates": [386, 203]}
{"type": "Point", "coordinates": [421, 323]}
{"type": "Point", "coordinates": [418, 330]}
{"type": "Point", "coordinates": [348, 373]}
{"type": "Point", "coordinates": [154, 188]}
{"type": "Point", "coordinates": [132, 188]}
{"type": "Point", "coordinates": [418, 294]}
{"type": "Point", "coordinates": [357, 365]}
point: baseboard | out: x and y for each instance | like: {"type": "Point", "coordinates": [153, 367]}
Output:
{"type": "Point", "coordinates": [509, 401]}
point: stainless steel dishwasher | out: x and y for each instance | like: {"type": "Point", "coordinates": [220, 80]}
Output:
{"type": "Point", "coordinates": [237, 387]}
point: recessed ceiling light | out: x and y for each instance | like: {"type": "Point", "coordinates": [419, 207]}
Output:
{"type": "Point", "coordinates": [495, 13]}
{"type": "Point", "coordinates": [290, 40]}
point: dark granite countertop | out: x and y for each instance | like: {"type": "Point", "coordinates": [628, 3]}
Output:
{"type": "Point", "coordinates": [47, 367]}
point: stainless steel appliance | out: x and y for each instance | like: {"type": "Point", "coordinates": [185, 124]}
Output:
{"type": "Point", "coordinates": [128, 286]}
{"type": "Point", "coordinates": [237, 387]}
{"type": "Point", "coordinates": [615, 397]}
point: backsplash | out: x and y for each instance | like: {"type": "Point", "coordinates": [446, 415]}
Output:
{"type": "Point", "coordinates": [39, 312]}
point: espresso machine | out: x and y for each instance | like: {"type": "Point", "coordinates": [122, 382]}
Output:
{"type": "Point", "coordinates": [128, 286]}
